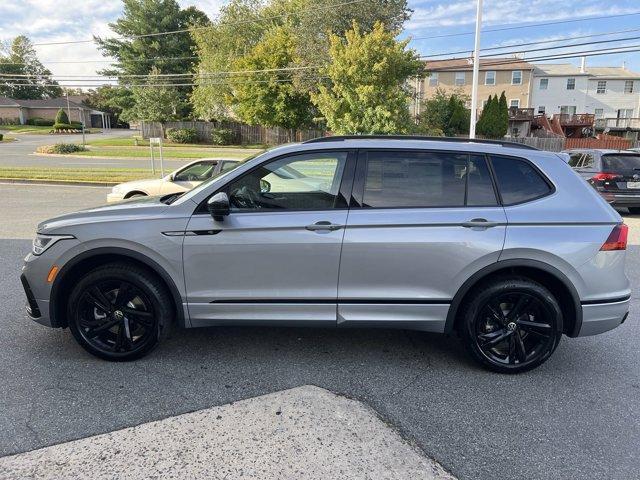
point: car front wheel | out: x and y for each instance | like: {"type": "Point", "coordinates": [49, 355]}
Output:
{"type": "Point", "coordinates": [511, 325]}
{"type": "Point", "coordinates": [119, 312]}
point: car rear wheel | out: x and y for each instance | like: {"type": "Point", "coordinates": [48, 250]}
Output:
{"type": "Point", "coordinates": [119, 312]}
{"type": "Point", "coordinates": [511, 325]}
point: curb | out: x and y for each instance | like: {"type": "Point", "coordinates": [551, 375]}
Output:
{"type": "Point", "coordinates": [27, 181]}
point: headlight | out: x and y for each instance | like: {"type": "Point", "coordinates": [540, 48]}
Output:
{"type": "Point", "coordinates": [42, 242]}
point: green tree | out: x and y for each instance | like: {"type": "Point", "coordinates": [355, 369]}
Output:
{"type": "Point", "coordinates": [367, 91]}
{"type": "Point", "coordinates": [311, 22]}
{"type": "Point", "coordinates": [154, 101]}
{"type": "Point", "coordinates": [61, 117]}
{"type": "Point", "coordinates": [444, 113]}
{"type": "Point", "coordinates": [503, 115]}
{"type": "Point", "coordinates": [269, 97]}
{"type": "Point", "coordinates": [137, 54]}
{"type": "Point", "coordinates": [111, 99]}
{"type": "Point", "coordinates": [32, 80]}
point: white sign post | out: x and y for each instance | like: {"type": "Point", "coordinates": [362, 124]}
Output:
{"type": "Point", "coordinates": [156, 141]}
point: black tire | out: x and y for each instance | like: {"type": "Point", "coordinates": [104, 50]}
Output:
{"type": "Point", "coordinates": [634, 210]}
{"type": "Point", "coordinates": [119, 312]}
{"type": "Point", "coordinates": [136, 195]}
{"type": "Point", "coordinates": [511, 324]}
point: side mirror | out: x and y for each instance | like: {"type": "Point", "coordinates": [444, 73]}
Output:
{"type": "Point", "coordinates": [218, 206]}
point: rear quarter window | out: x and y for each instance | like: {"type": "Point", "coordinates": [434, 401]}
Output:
{"type": "Point", "coordinates": [518, 181]}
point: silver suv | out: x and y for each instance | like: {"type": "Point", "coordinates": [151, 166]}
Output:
{"type": "Point", "coordinates": [501, 243]}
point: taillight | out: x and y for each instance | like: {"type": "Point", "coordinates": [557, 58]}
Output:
{"type": "Point", "coordinates": [603, 176]}
{"type": "Point", "coordinates": [617, 238]}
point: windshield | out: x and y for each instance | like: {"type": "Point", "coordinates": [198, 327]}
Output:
{"type": "Point", "coordinates": [620, 162]}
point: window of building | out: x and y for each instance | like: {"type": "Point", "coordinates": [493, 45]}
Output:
{"type": "Point", "coordinates": [490, 77]}
{"type": "Point", "coordinates": [514, 103]}
{"type": "Point", "coordinates": [625, 113]}
{"type": "Point", "coordinates": [541, 110]}
{"type": "Point", "coordinates": [544, 83]}
{"type": "Point", "coordinates": [571, 83]}
{"type": "Point", "coordinates": [433, 79]}
{"type": "Point", "coordinates": [602, 86]}
{"type": "Point", "coordinates": [426, 179]}
{"type": "Point", "coordinates": [628, 86]}
{"type": "Point", "coordinates": [516, 77]}
{"type": "Point", "coordinates": [599, 112]}
{"type": "Point", "coordinates": [568, 109]}
{"type": "Point", "coordinates": [518, 181]}
{"type": "Point", "coordinates": [460, 78]}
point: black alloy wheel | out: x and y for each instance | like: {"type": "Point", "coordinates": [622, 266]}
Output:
{"type": "Point", "coordinates": [119, 312]}
{"type": "Point", "coordinates": [512, 325]}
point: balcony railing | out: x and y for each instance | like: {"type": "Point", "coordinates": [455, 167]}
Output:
{"type": "Point", "coordinates": [618, 123]}
{"type": "Point", "coordinates": [575, 119]}
{"type": "Point", "coordinates": [521, 114]}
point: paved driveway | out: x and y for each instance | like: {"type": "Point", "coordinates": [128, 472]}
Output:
{"type": "Point", "coordinates": [576, 417]}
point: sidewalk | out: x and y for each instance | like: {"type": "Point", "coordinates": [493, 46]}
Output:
{"type": "Point", "coordinates": [302, 433]}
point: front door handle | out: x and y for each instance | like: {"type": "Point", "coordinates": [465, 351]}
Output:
{"type": "Point", "coordinates": [323, 226]}
{"type": "Point", "coordinates": [480, 223]}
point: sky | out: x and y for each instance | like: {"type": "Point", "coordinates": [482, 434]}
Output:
{"type": "Point", "coordinates": [450, 22]}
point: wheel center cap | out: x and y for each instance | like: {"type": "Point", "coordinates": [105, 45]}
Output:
{"type": "Point", "coordinates": [511, 326]}
{"type": "Point", "coordinates": [118, 315]}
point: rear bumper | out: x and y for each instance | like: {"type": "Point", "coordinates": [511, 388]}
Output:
{"type": "Point", "coordinates": [602, 317]}
{"type": "Point", "coordinates": [622, 199]}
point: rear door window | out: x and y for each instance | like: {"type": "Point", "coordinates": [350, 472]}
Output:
{"type": "Point", "coordinates": [518, 180]}
{"type": "Point", "coordinates": [413, 179]}
{"type": "Point", "coordinates": [617, 163]}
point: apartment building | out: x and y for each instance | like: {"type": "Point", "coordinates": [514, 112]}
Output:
{"type": "Point", "coordinates": [611, 95]}
{"type": "Point", "coordinates": [496, 75]}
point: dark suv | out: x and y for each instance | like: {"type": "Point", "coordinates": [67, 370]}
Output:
{"type": "Point", "coordinates": [613, 173]}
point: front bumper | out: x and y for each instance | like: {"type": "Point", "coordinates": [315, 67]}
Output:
{"type": "Point", "coordinates": [114, 197]}
{"type": "Point", "coordinates": [37, 310]}
{"type": "Point", "coordinates": [602, 317]}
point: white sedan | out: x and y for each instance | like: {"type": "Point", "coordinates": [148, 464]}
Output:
{"type": "Point", "coordinates": [179, 181]}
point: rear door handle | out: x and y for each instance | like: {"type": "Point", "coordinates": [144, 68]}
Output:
{"type": "Point", "coordinates": [323, 226]}
{"type": "Point", "coordinates": [480, 223]}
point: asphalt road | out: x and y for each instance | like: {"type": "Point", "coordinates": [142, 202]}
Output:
{"type": "Point", "coordinates": [575, 417]}
{"type": "Point", "coordinates": [20, 153]}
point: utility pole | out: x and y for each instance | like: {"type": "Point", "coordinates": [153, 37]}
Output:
{"type": "Point", "coordinates": [476, 66]}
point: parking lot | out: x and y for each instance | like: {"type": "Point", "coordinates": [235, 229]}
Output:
{"type": "Point", "coordinates": [574, 417]}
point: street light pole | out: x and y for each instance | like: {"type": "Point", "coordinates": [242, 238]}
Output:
{"type": "Point", "coordinates": [476, 66]}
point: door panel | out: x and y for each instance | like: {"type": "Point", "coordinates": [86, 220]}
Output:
{"type": "Point", "coordinates": [404, 265]}
{"type": "Point", "coordinates": [270, 261]}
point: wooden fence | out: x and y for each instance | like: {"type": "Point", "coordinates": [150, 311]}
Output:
{"type": "Point", "coordinates": [243, 134]}
{"type": "Point", "coordinates": [551, 144]}
{"type": "Point", "coordinates": [603, 141]}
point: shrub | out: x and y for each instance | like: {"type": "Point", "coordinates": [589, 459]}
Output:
{"type": "Point", "coordinates": [182, 135]}
{"type": "Point", "coordinates": [42, 122]}
{"type": "Point", "coordinates": [61, 148]}
{"type": "Point", "coordinates": [61, 116]}
{"type": "Point", "coordinates": [222, 136]}
{"type": "Point", "coordinates": [65, 126]}
{"type": "Point", "coordinates": [1, 137]}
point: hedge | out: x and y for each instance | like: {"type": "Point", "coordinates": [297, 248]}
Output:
{"type": "Point", "coordinates": [182, 135]}
{"type": "Point", "coordinates": [61, 148]}
{"type": "Point", "coordinates": [222, 136]}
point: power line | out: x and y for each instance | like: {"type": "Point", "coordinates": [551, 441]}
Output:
{"type": "Point", "coordinates": [583, 19]}
{"type": "Point", "coordinates": [153, 59]}
{"type": "Point", "coordinates": [186, 30]}
{"type": "Point", "coordinates": [540, 42]}
{"type": "Point", "coordinates": [560, 47]}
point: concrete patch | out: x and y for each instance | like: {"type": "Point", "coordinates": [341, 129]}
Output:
{"type": "Point", "coordinates": [302, 433]}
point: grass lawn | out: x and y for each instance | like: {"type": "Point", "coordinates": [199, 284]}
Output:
{"type": "Point", "coordinates": [35, 129]}
{"type": "Point", "coordinates": [115, 175]}
{"type": "Point", "coordinates": [187, 153]}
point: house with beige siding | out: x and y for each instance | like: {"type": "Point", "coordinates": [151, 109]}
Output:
{"type": "Point", "coordinates": [496, 75]}
{"type": "Point", "coordinates": [18, 111]}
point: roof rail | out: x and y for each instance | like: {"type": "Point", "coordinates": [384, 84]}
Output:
{"type": "Point", "coordinates": [340, 138]}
